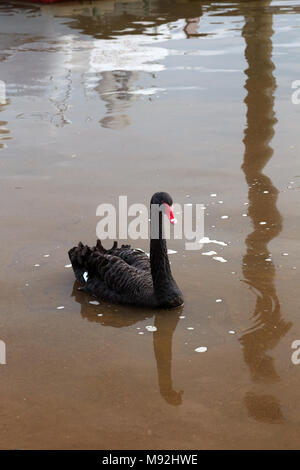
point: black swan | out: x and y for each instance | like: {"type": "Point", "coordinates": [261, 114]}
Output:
{"type": "Point", "coordinates": [127, 276]}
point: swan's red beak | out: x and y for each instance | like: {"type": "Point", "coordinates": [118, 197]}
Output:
{"type": "Point", "coordinates": [170, 214]}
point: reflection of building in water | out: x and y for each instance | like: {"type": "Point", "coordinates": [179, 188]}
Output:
{"type": "Point", "coordinates": [101, 18]}
{"type": "Point", "coordinates": [114, 89]}
{"type": "Point", "coordinates": [259, 271]}
{"type": "Point", "coordinates": [122, 46]}
{"type": "Point", "coordinates": [162, 338]}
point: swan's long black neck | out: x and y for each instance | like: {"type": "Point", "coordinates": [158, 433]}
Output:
{"type": "Point", "coordinates": [160, 266]}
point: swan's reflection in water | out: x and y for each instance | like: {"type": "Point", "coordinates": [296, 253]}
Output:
{"type": "Point", "coordinates": [258, 269]}
{"type": "Point", "coordinates": [165, 322]}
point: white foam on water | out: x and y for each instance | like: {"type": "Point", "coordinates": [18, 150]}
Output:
{"type": "Point", "coordinates": [231, 332]}
{"type": "Point", "coordinates": [262, 223]}
{"type": "Point", "coordinates": [201, 349]}
{"type": "Point", "coordinates": [99, 314]}
{"type": "Point", "coordinates": [219, 300]}
{"type": "Point", "coordinates": [171, 252]}
{"type": "Point", "coordinates": [190, 328]}
{"type": "Point", "coordinates": [46, 256]}
{"type": "Point", "coordinates": [68, 266]}
{"type": "Point", "coordinates": [36, 265]}
{"type": "Point", "coordinates": [213, 195]}
{"type": "Point", "coordinates": [209, 253]}
{"type": "Point", "coordinates": [219, 258]}
{"type": "Point", "coordinates": [224, 217]}
{"type": "Point", "coordinates": [207, 240]}
{"type": "Point", "coordinates": [181, 317]}
{"type": "Point", "coordinates": [94, 302]}
{"type": "Point", "coordinates": [151, 328]}
{"type": "Point", "coordinates": [285, 254]}
{"type": "Point", "coordinates": [60, 307]}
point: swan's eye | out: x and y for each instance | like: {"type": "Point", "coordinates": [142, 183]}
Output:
{"type": "Point", "coordinates": [170, 214]}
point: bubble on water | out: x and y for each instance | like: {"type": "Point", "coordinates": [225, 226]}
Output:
{"type": "Point", "coordinates": [46, 256]}
{"type": "Point", "coordinates": [262, 223]}
{"type": "Point", "coordinates": [231, 332]}
{"type": "Point", "coordinates": [201, 349]}
{"type": "Point", "coordinates": [171, 252]}
{"type": "Point", "coordinates": [224, 217]}
{"type": "Point", "coordinates": [94, 302]}
{"type": "Point", "coordinates": [68, 266]}
{"type": "Point", "coordinates": [190, 328]}
{"type": "Point", "coordinates": [209, 253]}
{"type": "Point", "coordinates": [151, 328]}
{"type": "Point", "coordinates": [37, 265]}
{"type": "Point", "coordinates": [285, 254]}
{"type": "Point", "coordinates": [219, 258]}
{"type": "Point", "coordinates": [219, 300]}
{"type": "Point", "coordinates": [207, 240]}
{"type": "Point", "coordinates": [213, 195]}
{"type": "Point", "coordinates": [60, 307]}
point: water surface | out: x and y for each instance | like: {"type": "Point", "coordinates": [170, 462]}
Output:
{"type": "Point", "coordinates": [107, 98]}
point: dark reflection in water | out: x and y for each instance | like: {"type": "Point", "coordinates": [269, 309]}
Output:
{"type": "Point", "coordinates": [165, 322]}
{"type": "Point", "coordinates": [104, 19]}
{"type": "Point", "coordinates": [259, 270]}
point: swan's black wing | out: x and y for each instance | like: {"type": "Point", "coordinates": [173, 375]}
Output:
{"type": "Point", "coordinates": [110, 277]}
{"type": "Point", "coordinates": [134, 257]}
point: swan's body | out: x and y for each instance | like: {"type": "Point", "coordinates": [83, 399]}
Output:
{"type": "Point", "coordinates": [128, 276]}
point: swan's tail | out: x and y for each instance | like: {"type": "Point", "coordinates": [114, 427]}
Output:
{"type": "Point", "coordinates": [81, 257]}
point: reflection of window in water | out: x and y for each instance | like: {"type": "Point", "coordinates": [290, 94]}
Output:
{"type": "Point", "coordinates": [114, 89]}
{"type": "Point", "coordinates": [4, 132]}
{"type": "Point", "coordinates": [191, 28]}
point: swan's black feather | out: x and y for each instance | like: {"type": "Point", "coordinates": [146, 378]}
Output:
{"type": "Point", "coordinates": [111, 277]}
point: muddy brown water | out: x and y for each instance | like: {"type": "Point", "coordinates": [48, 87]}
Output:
{"type": "Point", "coordinates": [110, 98]}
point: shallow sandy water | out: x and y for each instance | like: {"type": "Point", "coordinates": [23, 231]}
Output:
{"type": "Point", "coordinates": [115, 98]}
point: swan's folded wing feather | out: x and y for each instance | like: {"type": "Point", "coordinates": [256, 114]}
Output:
{"type": "Point", "coordinates": [134, 257]}
{"type": "Point", "coordinates": [108, 275]}
{"type": "Point", "coordinates": [118, 276]}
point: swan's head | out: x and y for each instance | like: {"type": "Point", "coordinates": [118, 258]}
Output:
{"type": "Point", "coordinates": [165, 201]}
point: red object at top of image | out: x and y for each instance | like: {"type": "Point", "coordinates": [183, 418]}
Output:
{"type": "Point", "coordinates": [46, 1]}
